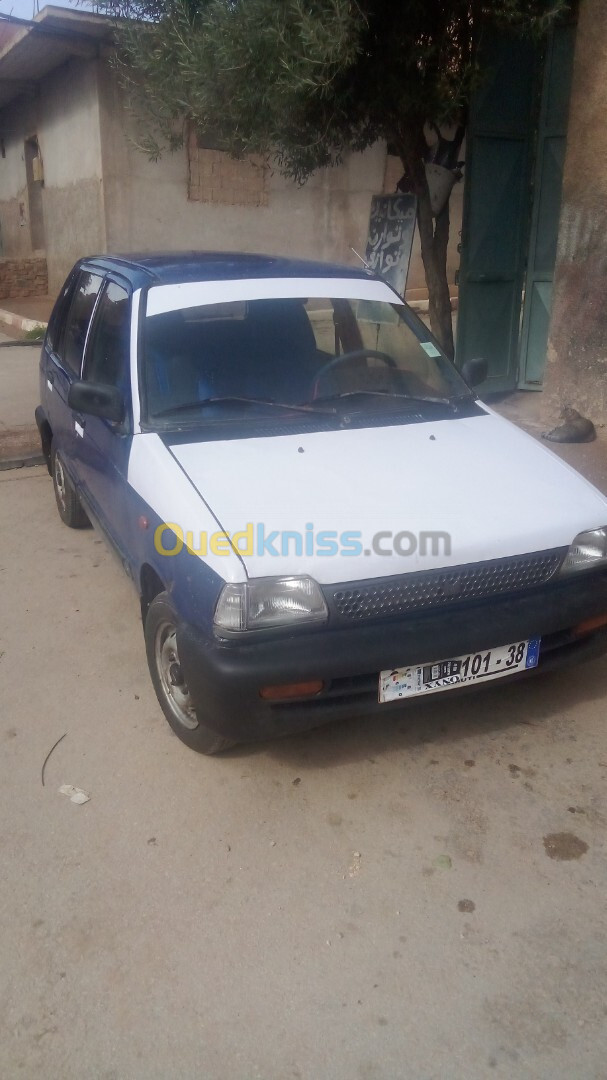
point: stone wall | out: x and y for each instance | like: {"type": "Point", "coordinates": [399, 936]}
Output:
{"type": "Point", "coordinates": [576, 369]}
{"type": "Point", "coordinates": [23, 277]}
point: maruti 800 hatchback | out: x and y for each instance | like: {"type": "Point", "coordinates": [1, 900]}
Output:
{"type": "Point", "coordinates": [320, 517]}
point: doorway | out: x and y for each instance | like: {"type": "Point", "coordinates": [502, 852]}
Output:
{"type": "Point", "coordinates": [35, 181]}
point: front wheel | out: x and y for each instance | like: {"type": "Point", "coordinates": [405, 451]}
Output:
{"type": "Point", "coordinates": [183, 715]}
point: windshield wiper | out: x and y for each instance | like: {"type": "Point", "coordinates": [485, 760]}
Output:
{"type": "Point", "coordinates": [227, 400]}
{"type": "Point", "coordinates": [415, 399]}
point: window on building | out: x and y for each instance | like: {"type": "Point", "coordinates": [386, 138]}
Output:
{"type": "Point", "coordinates": [34, 175]}
{"type": "Point", "coordinates": [216, 177]}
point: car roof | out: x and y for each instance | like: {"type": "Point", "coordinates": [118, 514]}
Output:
{"type": "Point", "coordinates": [174, 267]}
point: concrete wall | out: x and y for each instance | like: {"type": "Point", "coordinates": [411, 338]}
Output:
{"type": "Point", "coordinates": [64, 116]}
{"type": "Point", "coordinates": [576, 369]}
{"type": "Point", "coordinates": [101, 193]}
{"type": "Point", "coordinates": [17, 121]}
{"type": "Point", "coordinates": [71, 150]}
{"type": "Point", "coordinates": [147, 203]}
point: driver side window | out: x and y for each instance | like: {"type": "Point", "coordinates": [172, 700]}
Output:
{"type": "Point", "coordinates": [107, 354]}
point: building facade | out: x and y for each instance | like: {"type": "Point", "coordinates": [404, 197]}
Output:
{"type": "Point", "coordinates": [73, 182]}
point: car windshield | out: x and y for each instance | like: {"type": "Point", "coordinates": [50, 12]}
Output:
{"type": "Point", "coordinates": [246, 357]}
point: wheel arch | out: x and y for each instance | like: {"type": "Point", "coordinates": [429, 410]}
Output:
{"type": "Point", "coordinates": [150, 585]}
{"type": "Point", "coordinates": [46, 435]}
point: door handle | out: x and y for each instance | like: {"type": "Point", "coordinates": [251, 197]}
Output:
{"type": "Point", "coordinates": [50, 375]}
{"type": "Point", "coordinates": [79, 424]}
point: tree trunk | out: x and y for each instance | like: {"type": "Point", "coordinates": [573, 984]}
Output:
{"type": "Point", "coordinates": [434, 238]}
{"type": "Point", "coordinates": [433, 235]}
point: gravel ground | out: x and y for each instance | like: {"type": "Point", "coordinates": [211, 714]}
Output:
{"type": "Point", "coordinates": [416, 897]}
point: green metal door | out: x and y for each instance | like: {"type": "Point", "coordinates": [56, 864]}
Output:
{"type": "Point", "coordinates": [548, 179]}
{"type": "Point", "coordinates": [495, 225]}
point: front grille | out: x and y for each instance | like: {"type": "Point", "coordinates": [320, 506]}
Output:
{"type": "Point", "coordinates": [429, 589]}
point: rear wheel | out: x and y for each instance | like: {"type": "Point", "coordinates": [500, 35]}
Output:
{"type": "Point", "coordinates": [185, 718]}
{"type": "Point", "coordinates": [68, 503]}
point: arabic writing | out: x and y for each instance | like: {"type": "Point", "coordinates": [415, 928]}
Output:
{"type": "Point", "coordinates": [391, 227]}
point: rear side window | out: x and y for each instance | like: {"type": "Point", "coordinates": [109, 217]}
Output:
{"type": "Point", "coordinates": [107, 354]}
{"type": "Point", "coordinates": [57, 319]}
{"type": "Point", "coordinates": [78, 318]}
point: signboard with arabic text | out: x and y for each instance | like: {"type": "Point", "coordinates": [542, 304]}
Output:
{"type": "Point", "coordinates": [391, 228]}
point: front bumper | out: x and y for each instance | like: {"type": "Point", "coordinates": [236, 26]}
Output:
{"type": "Point", "coordinates": [225, 677]}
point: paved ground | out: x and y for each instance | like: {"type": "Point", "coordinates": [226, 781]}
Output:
{"type": "Point", "coordinates": [36, 308]}
{"type": "Point", "coordinates": [370, 901]}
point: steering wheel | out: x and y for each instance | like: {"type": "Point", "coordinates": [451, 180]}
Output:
{"type": "Point", "coordinates": [356, 354]}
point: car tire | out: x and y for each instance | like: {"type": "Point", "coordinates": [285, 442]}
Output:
{"type": "Point", "coordinates": [68, 504]}
{"type": "Point", "coordinates": [185, 718]}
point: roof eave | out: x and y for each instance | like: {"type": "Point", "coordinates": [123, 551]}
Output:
{"type": "Point", "coordinates": [44, 43]}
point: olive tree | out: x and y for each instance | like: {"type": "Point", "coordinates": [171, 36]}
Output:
{"type": "Point", "coordinates": [306, 81]}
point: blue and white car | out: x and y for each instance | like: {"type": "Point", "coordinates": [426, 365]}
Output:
{"type": "Point", "coordinates": [320, 517]}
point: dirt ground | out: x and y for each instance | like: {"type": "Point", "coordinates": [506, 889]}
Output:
{"type": "Point", "coordinates": [36, 308]}
{"type": "Point", "coordinates": [19, 395]}
{"type": "Point", "coordinates": [414, 897]}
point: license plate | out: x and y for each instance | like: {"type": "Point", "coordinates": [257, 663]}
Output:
{"type": "Point", "coordinates": [458, 670]}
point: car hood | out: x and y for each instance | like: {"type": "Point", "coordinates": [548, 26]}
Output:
{"type": "Point", "coordinates": [486, 487]}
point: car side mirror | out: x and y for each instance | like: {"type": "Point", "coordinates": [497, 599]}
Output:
{"type": "Point", "coordinates": [97, 399]}
{"type": "Point", "coordinates": [475, 371]}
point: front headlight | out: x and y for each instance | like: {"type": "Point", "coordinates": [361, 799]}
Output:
{"type": "Point", "coordinates": [588, 550]}
{"type": "Point", "coordinates": [268, 602]}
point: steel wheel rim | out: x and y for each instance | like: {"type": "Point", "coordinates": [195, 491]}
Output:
{"type": "Point", "coordinates": [174, 688]}
{"type": "Point", "coordinates": [60, 483]}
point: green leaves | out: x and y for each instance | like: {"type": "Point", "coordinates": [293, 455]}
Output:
{"type": "Point", "coordinates": [304, 80]}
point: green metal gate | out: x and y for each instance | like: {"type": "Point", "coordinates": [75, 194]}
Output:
{"type": "Point", "coordinates": [548, 182]}
{"type": "Point", "coordinates": [514, 157]}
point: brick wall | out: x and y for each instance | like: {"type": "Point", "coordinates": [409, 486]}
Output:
{"type": "Point", "coordinates": [215, 177]}
{"type": "Point", "coordinates": [23, 277]}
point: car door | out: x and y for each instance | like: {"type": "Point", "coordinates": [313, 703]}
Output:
{"type": "Point", "coordinates": [64, 351]}
{"type": "Point", "coordinates": [102, 446]}
{"type": "Point", "coordinates": [49, 358]}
